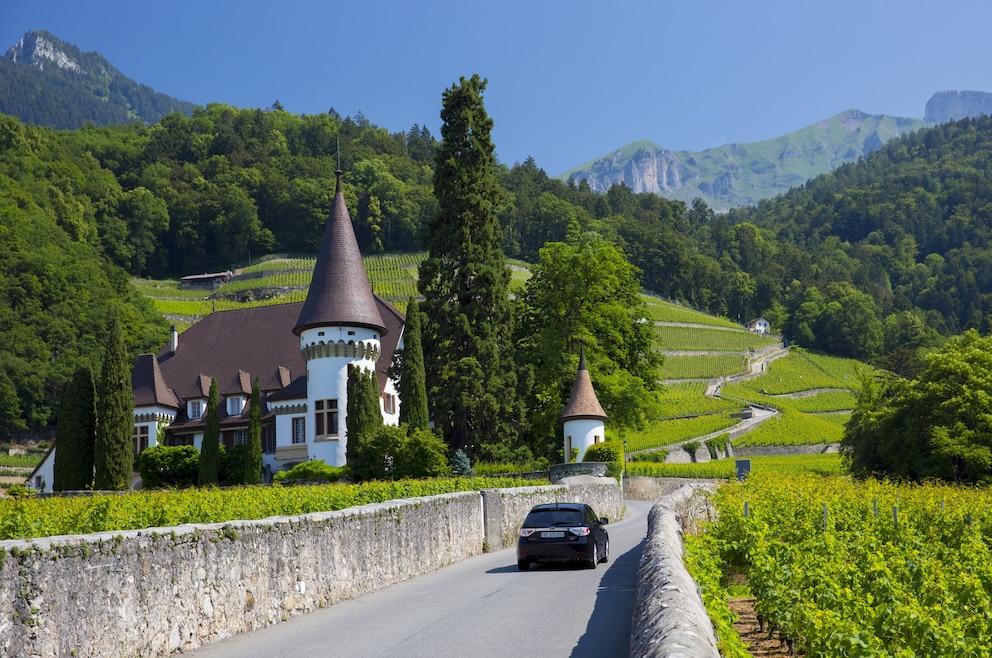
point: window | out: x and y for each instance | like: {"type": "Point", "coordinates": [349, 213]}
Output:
{"type": "Point", "coordinates": [326, 418]}
{"type": "Point", "coordinates": [299, 430]}
{"type": "Point", "coordinates": [240, 437]}
{"type": "Point", "coordinates": [389, 403]}
{"type": "Point", "coordinates": [181, 440]}
{"type": "Point", "coordinates": [268, 439]}
{"type": "Point", "coordinates": [139, 438]}
{"type": "Point", "coordinates": [596, 439]}
{"type": "Point", "coordinates": [195, 409]}
{"type": "Point", "coordinates": [235, 405]}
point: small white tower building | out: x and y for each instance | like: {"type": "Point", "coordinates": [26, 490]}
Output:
{"type": "Point", "coordinates": [583, 420]}
{"type": "Point", "coordinates": [339, 326]}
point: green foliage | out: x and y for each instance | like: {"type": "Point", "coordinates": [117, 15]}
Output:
{"type": "Point", "coordinates": [818, 464]}
{"type": "Point", "coordinates": [166, 467]}
{"type": "Point", "coordinates": [471, 378]}
{"type": "Point", "coordinates": [585, 290]}
{"type": "Point", "coordinates": [232, 464]}
{"type": "Point", "coordinates": [210, 447]}
{"type": "Point", "coordinates": [936, 426]}
{"type": "Point", "coordinates": [412, 383]}
{"type": "Point", "coordinates": [422, 454]}
{"type": "Point", "coordinates": [608, 451]}
{"type": "Point", "coordinates": [75, 433]}
{"type": "Point", "coordinates": [369, 452]}
{"type": "Point", "coordinates": [253, 458]}
{"type": "Point", "coordinates": [314, 470]}
{"type": "Point", "coordinates": [861, 568]}
{"type": "Point", "coordinates": [113, 456]}
{"type": "Point", "coordinates": [42, 517]}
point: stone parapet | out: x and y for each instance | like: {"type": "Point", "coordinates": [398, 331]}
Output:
{"type": "Point", "coordinates": [159, 591]}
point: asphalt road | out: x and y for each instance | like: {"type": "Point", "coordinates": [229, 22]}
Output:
{"type": "Point", "coordinates": [482, 606]}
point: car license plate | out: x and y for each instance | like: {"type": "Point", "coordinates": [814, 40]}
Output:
{"type": "Point", "coordinates": [552, 535]}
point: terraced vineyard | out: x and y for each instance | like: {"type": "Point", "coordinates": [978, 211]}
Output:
{"type": "Point", "coordinates": [276, 281]}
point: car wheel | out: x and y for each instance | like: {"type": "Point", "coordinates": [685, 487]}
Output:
{"type": "Point", "coordinates": [595, 555]}
{"type": "Point", "coordinates": [606, 552]}
{"type": "Point", "coordinates": [523, 565]}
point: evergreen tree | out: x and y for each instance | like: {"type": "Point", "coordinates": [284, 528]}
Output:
{"type": "Point", "coordinates": [75, 434]}
{"type": "Point", "coordinates": [412, 383]}
{"type": "Point", "coordinates": [113, 454]}
{"type": "Point", "coordinates": [363, 417]}
{"type": "Point", "coordinates": [210, 449]}
{"type": "Point", "coordinates": [465, 283]}
{"type": "Point", "coordinates": [253, 464]}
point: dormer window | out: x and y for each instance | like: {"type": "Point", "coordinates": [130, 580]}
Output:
{"type": "Point", "coordinates": [195, 409]}
{"type": "Point", "coordinates": [235, 405]}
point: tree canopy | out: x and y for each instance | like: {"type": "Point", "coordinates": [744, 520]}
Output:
{"type": "Point", "coordinates": [938, 425]}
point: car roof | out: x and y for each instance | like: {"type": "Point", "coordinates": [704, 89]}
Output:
{"type": "Point", "coordinates": [572, 506]}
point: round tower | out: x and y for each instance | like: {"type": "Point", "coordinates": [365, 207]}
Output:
{"type": "Point", "coordinates": [339, 325]}
{"type": "Point", "coordinates": [583, 420]}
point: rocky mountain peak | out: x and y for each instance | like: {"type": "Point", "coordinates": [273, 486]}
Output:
{"type": "Point", "coordinates": [950, 105]}
{"type": "Point", "coordinates": [41, 49]}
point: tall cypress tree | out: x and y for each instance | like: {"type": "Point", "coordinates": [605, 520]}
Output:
{"type": "Point", "coordinates": [253, 462]}
{"type": "Point", "coordinates": [113, 454]}
{"type": "Point", "coordinates": [412, 382]}
{"type": "Point", "coordinates": [210, 448]}
{"type": "Point", "coordinates": [465, 283]}
{"type": "Point", "coordinates": [75, 434]}
{"type": "Point", "coordinates": [363, 417]}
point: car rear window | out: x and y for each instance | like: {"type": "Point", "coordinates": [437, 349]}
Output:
{"type": "Point", "coordinates": [551, 517]}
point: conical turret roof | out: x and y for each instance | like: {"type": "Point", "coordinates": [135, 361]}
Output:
{"type": "Point", "coordinates": [583, 402]}
{"type": "Point", "coordinates": [340, 294]}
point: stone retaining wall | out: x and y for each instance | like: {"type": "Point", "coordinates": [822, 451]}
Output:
{"type": "Point", "coordinates": [669, 616]}
{"type": "Point", "coordinates": [161, 590]}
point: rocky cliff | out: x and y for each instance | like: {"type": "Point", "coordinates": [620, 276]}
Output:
{"type": "Point", "coordinates": [950, 105]}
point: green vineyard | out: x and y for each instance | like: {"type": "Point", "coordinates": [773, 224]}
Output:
{"type": "Point", "coordinates": [840, 568]}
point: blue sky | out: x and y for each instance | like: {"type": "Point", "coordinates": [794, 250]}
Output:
{"type": "Point", "coordinates": [568, 82]}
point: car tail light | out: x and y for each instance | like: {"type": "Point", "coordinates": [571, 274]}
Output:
{"type": "Point", "coordinates": [579, 532]}
{"type": "Point", "coordinates": [527, 532]}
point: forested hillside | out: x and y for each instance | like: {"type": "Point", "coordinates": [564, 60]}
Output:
{"type": "Point", "coordinates": [47, 82]}
{"type": "Point", "coordinates": [871, 262]}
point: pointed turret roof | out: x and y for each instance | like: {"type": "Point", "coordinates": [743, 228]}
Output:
{"type": "Point", "coordinates": [583, 402]}
{"type": "Point", "coordinates": [340, 294]}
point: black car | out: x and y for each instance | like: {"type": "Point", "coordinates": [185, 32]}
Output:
{"type": "Point", "coordinates": [562, 532]}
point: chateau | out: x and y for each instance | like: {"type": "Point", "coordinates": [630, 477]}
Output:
{"type": "Point", "coordinates": [300, 353]}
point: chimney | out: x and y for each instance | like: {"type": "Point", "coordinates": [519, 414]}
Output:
{"type": "Point", "coordinates": [173, 340]}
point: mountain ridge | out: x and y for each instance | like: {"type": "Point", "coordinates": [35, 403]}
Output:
{"type": "Point", "coordinates": [46, 81]}
{"type": "Point", "coordinates": [741, 174]}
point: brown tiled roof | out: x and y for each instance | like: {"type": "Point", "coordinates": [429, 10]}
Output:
{"type": "Point", "coordinates": [150, 389]}
{"type": "Point", "coordinates": [583, 402]}
{"type": "Point", "coordinates": [237, 346]}
{"type": "Point", "coordinates": [340, 294]}
{"type": "Point", "coordinates": [240, 384]}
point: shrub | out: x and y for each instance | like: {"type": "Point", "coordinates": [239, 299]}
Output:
{"type": "Point", "coordinates": [169, 466]}
{"type": "Point", "coordinates": [423, 454]}
{"type": "Point", "coordinates": [314, 469]}
{"type": "Point", "coordinates": [231, 465]}
{"type": "Point", "coordinates": [608, 451]}
{"type": "Point", "coordinates": [655, 456]}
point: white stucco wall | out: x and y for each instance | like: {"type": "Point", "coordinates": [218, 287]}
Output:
{"type": "Point", "coordinates": [583, 433]}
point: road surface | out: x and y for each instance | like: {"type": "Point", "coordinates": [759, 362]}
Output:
{"type": "Point", "coordinates": [482, 606]}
